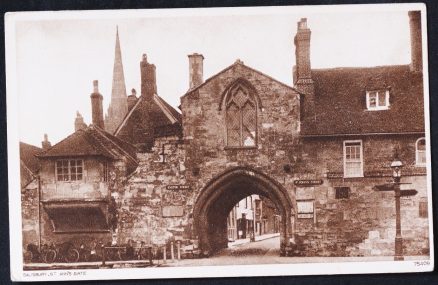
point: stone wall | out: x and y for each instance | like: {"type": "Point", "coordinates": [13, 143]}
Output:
{"type": "Point", "coordinates": [361, 225]}
{"type": "Point", "coordinates": [148, 210]}
{"type": "Point", "coordinates": [364, 223]}
{"type": "Point", "coordinates": [205, 129]}
{"type": "Point", "coordinates": [152, 212]}
{"type": "Point", "coordinates": [29, 213]}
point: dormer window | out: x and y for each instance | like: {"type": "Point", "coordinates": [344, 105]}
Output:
{"type": "Point", "coordinates": [377, 100]}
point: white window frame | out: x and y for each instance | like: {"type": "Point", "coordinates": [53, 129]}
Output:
{"type": "Point", "coordinates": [69, 170]}
{"type": "Point", "coordinates": [345, 158]}
{"type": "Point", "coordinates": [417, 154]}
{"type": "Point", "coordinates": [378, 93]}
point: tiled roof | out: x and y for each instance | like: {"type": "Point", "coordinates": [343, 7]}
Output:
{"type": "Point", "coordinates": [172, 110]}
{"type": "Point", "coordinates": [340, 101]}
{"type": "Point", "coordinates": [29, 164]}
{"type": "Point", "coordinates": [92, 141]}
{"type": "Point", "coordinates": [166, 119]}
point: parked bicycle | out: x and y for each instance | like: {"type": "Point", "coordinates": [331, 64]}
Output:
{"type": "Point", "coordinates": [34, 254]}
{"type": "Point", "coordinates": [64, 252]}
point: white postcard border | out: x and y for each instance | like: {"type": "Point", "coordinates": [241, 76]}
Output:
{"type": "Point", "coordinates": [17, 273]}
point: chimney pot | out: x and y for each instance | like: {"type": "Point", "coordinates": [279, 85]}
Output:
{"type": "Point", "coordinates": [79, 122]}
{"type": "Point", "coordinates": [196, 70]}
{"type": "Point", "coordinates": [148, 79]}
{"type": "Point", "coordinates": [302, 24]}
{"type": "Point", "coordinates": [95, 86]}
{"type": "Point", "coordinates": [96, 107]}
{"type": "Point", "coordinates": [46, 144]}
{"type": "Point", "coordinates": [132, 99]}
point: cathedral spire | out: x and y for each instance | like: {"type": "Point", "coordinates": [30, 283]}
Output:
{"type": "Point", "coordinates": [119, 104]}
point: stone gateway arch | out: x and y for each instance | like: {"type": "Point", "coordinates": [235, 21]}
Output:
{"type": "Point", "coordinates": [219, 196]}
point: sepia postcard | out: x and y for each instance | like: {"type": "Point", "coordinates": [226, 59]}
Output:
{"type": "Point", "coordinates": [218, 142]}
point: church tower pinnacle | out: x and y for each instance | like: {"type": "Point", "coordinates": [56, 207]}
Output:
{"type": "Point", "coordinates": [119, 104]}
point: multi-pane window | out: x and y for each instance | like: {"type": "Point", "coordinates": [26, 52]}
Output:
{"type": "Point", "coordinates": [105, 172]}
{"type": "Point", "coordinates": [353, 159]}
{"type": "Point", "coordinates": [69, 169]}
{"type": "Point", "coordinates": [342, 192]}
{"type": "Point", "coordinates": [377, 100]}
{"type": "Point", "coordinates": [241, 114]}
{"type": "Point", "coordinates": [420, 152]}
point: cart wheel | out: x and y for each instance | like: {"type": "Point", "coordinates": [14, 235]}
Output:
{"type": "Point", "coordinates": [72, 255]}
{"type": "Point", "coordinates": [49, 256]}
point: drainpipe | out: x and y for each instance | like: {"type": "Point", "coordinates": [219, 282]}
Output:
{"type": "Point", "coordinates": [39, 212]}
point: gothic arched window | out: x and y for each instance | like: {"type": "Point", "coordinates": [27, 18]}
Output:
{"type": "Point", "coordinates": [241, 118]}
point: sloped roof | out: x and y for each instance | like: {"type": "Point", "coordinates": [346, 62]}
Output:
{"type": "Point", "coordinates": [340, 101]}
{"type": "Point", "coordinates": [163, 116]}
{"type": "Point", "coordinates": [238, 63]}
{"type": "Point", "coordinates": [29, 164]}
{"type": "Point", "coordinates": [92, 141]}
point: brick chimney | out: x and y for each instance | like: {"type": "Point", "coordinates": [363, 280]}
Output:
{"type": "Point", "coordinates": [79, 122]}
{"type": "Point", "coordinates": [45, 143]}
{"type": "Point", "coordinates": [416, 43]}
{"type": "Point", "coordinates": [132, 99]}
{"type": "Point", "coordinates": [148, 79]}
{"type": "Point", "coordinates": [196, 69]}
{"type": "Point", "coordinates": [302, 72]}
{"type": "Point", "coordinates": [145, 140]}
{"type": "Point", "coordinates": [96, 106]}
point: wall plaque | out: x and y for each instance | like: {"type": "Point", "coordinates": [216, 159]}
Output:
{"type": "Point", "coordinates": [305, 216]}
{"type": "Point", "coordinates": [333, 175]}
{"type": "Point", "coordinates": [308, 182]}
{"type": "Point", "coordinates": [173, 211]}
{"type": "Point", "coordinates": [177, 187]}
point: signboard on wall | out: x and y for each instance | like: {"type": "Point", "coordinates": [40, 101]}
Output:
{"type": "Point", "coordinates": [308, 182]}
{"type": "Point", "coordinates": [305, 209]}
{"type": "Point", "coordinates": [172, 211]}
{"type": "Point", "coordinates": [334, 175]}
{"type": "Point", "coordinates": [177, 187]}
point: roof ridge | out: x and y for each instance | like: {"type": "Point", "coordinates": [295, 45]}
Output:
{"type": "Point", "coordinates": [164, 108]}
{"type": "Point", "coordinates": [125, 119]}
{"type": "Point", "coordinates": [31, 145]}
{"type": "Point", "coordinates": [116, 144]}
{"type": "Point", "coordinates": [66, 138]}
{"type": "Point", "coordinates": [359, 67]}
{"type": "Point", "coordinates": [236, 63]}
{"type": "Point", "coordinates": [111, 152]}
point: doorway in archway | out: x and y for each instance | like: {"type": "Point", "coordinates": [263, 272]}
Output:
{"type": "Point", "coordinates": [218, 198]}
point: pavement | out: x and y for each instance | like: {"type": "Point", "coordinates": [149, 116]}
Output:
{"type": "Point", "coordinates": [257, 238]}
{"type": "Point", "coordinates": [265, 250]}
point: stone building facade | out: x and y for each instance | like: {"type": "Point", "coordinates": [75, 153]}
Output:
{"type": "Point", "coordinates": [316, 150]}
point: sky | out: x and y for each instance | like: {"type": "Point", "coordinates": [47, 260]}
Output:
{"type": "Point", "coordinates": [58, 59]}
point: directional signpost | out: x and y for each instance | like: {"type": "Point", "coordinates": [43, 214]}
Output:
{"type": "Point", "coordinates": [396, 165]}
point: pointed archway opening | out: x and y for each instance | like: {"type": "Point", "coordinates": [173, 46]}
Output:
{"type": "Point", "coordinates": [223, 192]}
